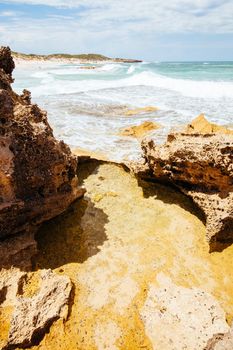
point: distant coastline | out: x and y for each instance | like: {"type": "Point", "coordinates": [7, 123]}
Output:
{"type": "Point", "coordinates": [70, 58]}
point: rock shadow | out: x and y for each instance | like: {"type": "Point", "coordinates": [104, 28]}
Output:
{"type": "Point", "coordinates": [224, 237]}
{"type": "Point", "coordinates": [170, 195]}
{"type": "Point", "coordinates": [72, 237]}
{"type": "Point", "coordinates": [75, 235]}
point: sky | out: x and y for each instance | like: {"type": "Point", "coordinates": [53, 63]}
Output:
{"type": "Point", "coordinates": [163, 30]}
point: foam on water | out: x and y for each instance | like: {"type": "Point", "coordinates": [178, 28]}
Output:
{"type": "Point", "coordinates": [86, 107]}
{"type": "Point", "coordinates": [50, 83]}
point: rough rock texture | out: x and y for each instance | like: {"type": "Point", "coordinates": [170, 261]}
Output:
{"type": "Point", "coordinates": [35, 301]}
{"type": "Point", "coordinates": [193, 315]}
{"type": "Point", "coordinates": [202, 167]}
{"type": "Point", "coordinates": [37, 173]}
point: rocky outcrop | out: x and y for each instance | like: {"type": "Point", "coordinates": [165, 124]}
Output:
{"type": "Point", "coordinates": [202, 126]}
{"type": "Point", "coordinates": [37, 173]}
{"type": "Point", "coordinates": [139, 131]}
{"type": "Point", "coordinates": [202, 167]}
{"type": "Point", "coordinates": [35, 301]}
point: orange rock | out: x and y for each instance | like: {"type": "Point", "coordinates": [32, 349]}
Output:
{"type": "Point", "coordinates": [201, 125]}
{"type": "Point", "coordinates": [140, 130]}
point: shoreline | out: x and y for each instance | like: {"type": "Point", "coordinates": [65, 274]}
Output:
{"type": "Point", "coordinates": [21, 59]}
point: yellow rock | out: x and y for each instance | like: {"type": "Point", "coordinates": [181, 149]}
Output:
{"type": "Point", "coordinates": [98, 197]}
{"type": "Point", "coordinates": [201, 125]}
{"type": "Point", "coordinates": [139, 130]}
{"type": "Point", "coordinates": [141, 110]}
{"type": "Point", "coordinates": [80, 152]}
{"type": "Point", "coordinates": [135, 260]}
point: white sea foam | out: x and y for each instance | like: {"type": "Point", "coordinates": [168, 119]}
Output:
{"type": "Point", "coordinates": [191, 88]}
{"type": "Point", "coordinates": [110, 66]}
{"type": "Point", "coordinates": [87, 107]}
{"type": "Point", "coordinates": [131, 69]}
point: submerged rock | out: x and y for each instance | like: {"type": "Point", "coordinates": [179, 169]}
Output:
{"type": "Point", "coordinates": [37, 173]}
{"type": "Point", "coordinates": [139, 131]}
{"type": "Point", "coordinates": [202, 167]}
{"type": "Point", "coordinates": [136, 111]}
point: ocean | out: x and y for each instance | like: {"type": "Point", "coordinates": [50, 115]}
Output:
{"type": "Point", "coordinates": [87, 107]}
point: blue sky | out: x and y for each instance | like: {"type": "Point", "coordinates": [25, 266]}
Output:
{"type": "Point", "coordinates": [149, 29]}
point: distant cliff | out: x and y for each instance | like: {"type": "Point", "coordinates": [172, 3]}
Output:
{"type": "Point", "coordinates": [63, 56]}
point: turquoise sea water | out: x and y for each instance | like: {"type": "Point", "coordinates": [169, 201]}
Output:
{"type": "Point", "coordinates": [86, 107]}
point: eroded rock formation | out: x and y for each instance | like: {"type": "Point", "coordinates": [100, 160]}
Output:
{"type": "Point", "coordinates": [202, 167]}
{"type": "Point", "coordinates": [37, 182]}
{"type": "Point", "coordinates": [37, 173]}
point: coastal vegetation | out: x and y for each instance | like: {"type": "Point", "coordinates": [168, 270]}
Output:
{"type": "Point", "coordinates": [88, 57]}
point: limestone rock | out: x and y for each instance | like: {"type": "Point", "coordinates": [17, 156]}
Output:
{"type": "Point", "coordinates": [221, 341]}
{"type": "Point", "coordinates": [202, 126]}
{"type": "Point", "coordinates": [37, 173]}
{"type": "Point", "coordinates": [36, 301]}
{"type": "Point", "coordinates": [178, 318]}
{"type": "Point", "coordinates": [139, 131]}
{"type": "Point", "coordinates": [202, 167]}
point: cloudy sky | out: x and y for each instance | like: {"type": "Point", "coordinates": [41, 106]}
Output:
{"type": "Point", "coordinates": [165, 30]}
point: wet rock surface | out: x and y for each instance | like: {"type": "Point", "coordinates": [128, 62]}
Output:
{"type": "Point", "coordinates": [37, 173]}
{"type": "Point", "coordinates": [202, 167]}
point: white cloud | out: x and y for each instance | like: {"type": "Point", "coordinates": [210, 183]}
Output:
{"type": "Point", "coordinates": [8, 13]}
{"type": "Point", "coordinates": [151, 15]}
{"type": "Point", "coordinates": [113, 26]}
